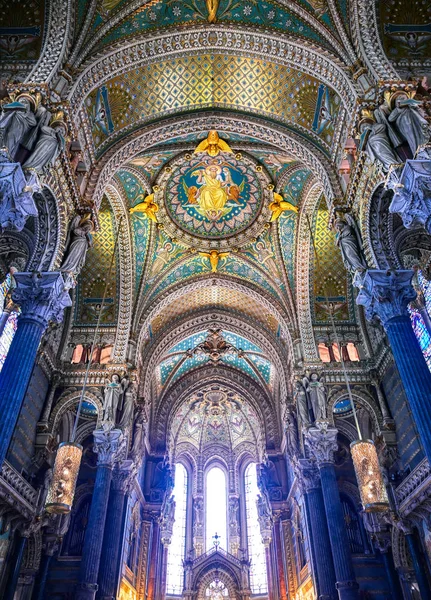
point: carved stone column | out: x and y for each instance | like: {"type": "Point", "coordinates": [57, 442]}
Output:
{"type": "Point", "coordinates": [16, 560]}
{"type": "Point", "coordinates": [322, 442]}
{"type": "Point", "coordinates": [386, 295]}
{"type": "Point", "coordinates": [122, 477]}
{"type": "Point", "coordinates": [387, 419]}
{"type": "Point", "coordinates": [421, 578]}
{"type": "Point", "coordinates": [198, 520]}
{"type": "Point", "coordinates": [382, 542]}
{"type": "Point", "coordinates": [51, 548]}
{"type": "Point", "coordinates": [106, 445]}
{"type": "Point", "coordinates": [42, 297]}
{"type": "Point", "coordinates": [309, 481]}
{"type": "Point", "coordinates": [282, 580]}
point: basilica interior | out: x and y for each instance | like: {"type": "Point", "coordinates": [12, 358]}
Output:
{"type": "Point", "coordinates": [215, 300]}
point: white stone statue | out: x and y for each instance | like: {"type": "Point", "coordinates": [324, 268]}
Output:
{"type": "Point", "coordinates": [348, 239]}
{"type": "Point", "coordinates": [127, 408]}
{"type": "Point", "coordinates": [317, 394]}
{"type": "Point", "coordinates": [302, 404]}
{"type": "Point", "coordinates": [16, 121]}
{"type": "Point", "coordinates": [113, 392]}
{"type": "Point", "coordinates": [410, 122]}
{"type": "Point", "coordinates": [50, 143]}
{"type": "Point", "coordinates": [80, 240]}
{"type": "Point", "coordinates": [139, 431]}
{"type": "Point", "coordinates": [378, 145]}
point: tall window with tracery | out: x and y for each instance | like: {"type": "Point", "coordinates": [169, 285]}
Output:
{"type": "Point", "coordinates": [422, 332]}
{"type": "Point", "coordinates": [8, 329]}
{"type": "Point", "coordinates": [177, 548]}
{"type": "Point", "coordinates": [256, 549]}
{"type": "Point", "coordinates": [216, 508]}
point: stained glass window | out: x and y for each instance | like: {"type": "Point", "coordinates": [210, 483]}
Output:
{"type": "Point", "coordinates": [7, 336]}
{"type": "Point", "coordinates": [256, 549]}
{"type": "Point", "coordinates": [216, 508]}
{"type": "Point", "coordinates": [419, 326]}
{"type": "Point", "coordinates": [177, 548]}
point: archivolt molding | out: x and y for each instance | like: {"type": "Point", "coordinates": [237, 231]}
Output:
{"type": "Point", "coordinates": [367, 39]}
{"type": "Point", "coordinates": [221, 571]}
{"type": "Point", "coordinates": [66, 402]}
{"type": "Point", "coordinates": [364, 399]}
{"type": "Point", "coordinates": [210, 375]}
{"type": "Point", "coordinates": [143, 320]}
{"type": "Point", "coordinates": [126, 268]}
{"type": "Point", "coordinates": [140, 176]}
{"type": "Point", "coordinates": [211, 317]}
{"type": "Point", "coordinates": [55, 43]}
{"type": "Point", "coordinates": [170, 42]}
{"type": "Point", "coordinates": [304, 254]}
{"type": "Point", "coordinates": [150, 135]}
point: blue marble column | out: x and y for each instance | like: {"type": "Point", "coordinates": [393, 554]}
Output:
{"type": "Point", "coordinates": [420, 574]}
{"type": "Point", "coordinates": [309, 481]}
{"type": "Point", "coordinates": [322, 442]}
{"type": "Point", "coordinates": [17, 559]}
{"type": "Point", "coordinates": [109, 564]}
{"type": "Point", "coordinates": [386, 295]}
{"type": "Point", "coordinates": [107, 445]}
{"type": "Point", "coordinates": [42, 297]}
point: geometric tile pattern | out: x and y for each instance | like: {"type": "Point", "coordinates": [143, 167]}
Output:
{"type": "Point", "coordinates": [92, 279]}
{"type": "Point", "coordinates": [186, 83]}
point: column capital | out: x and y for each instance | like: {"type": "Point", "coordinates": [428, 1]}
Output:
{"type": "Point", "coordinates": [123, 476]}
{"type": "Point", "coordinates": [107, 445]}
{"type": "Point", "coordinates": [41, 296]}
{"type": "Point", "coordinates": [308, 475]}
{"type": "Point", "coordinates": [385, 294]}
{"type": "Point", "coordinates": [322, 442]}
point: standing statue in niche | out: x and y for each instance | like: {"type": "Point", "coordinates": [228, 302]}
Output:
{"type": "Point", "coordinates": [127, 407]}
{"type": "Point", "coordinates": [291, 430]}
{"type": "Point", "coordinates": [348, 239]}
{"type": "Point", "coordinates": [16, 121]}
{"type": "Point", "coordinates": [302, 404]}
{"type": "Point", "coordinates": [317, 395]}
{"type": "Point", "coordinates": [114, 390]}
{"type": "Point", "coordinates": [51, 141]}
{"type": "Point", "coordinates": [80, 240]}
{"type": "Point", "coordinates": [410, 122]}
{"type": "Point", "coordinates": [138, 434]}
{"type": "Point", "coordinates": [378, 145]}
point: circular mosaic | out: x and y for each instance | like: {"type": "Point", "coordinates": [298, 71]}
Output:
{"type": "Point", "coordinates": [213, 202]}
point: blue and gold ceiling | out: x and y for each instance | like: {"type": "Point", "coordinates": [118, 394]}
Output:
{"type": "Point", "coordinates": [299, 101]}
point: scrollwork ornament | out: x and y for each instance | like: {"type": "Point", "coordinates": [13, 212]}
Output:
{"type": "Point", "coordinates": [322, 442]}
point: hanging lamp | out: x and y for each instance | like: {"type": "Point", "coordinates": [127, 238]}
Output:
{"type": "Point", "coordinates": [372, 488]}
{"type": "Point", "coordinates": [67, 463]}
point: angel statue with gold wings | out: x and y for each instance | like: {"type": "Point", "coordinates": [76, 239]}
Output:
{"type": "Point", "coordinates": [216, 195]}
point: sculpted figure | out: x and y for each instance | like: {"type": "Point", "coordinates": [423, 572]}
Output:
{"type": "Point", "coordinates": [138, 434]}
{"type": "Point", "coordinates": [349, 241]}
{"type": "Point", "coordinates": [410, 122]}
{"type": "Point", "coordinates": [80, 241]}
{"type": "Point", "coordinates": [50, 143]}
{"type": "Point", "coordinates": [113, 391]}
{"type": "Point", "coordinates": [17, 120]}
{"type": "Point", "coordinates": [127, 408]}
{"type": "Point", "coordinates": [302, 404]}
{"type": "Point", "coordinates": [291, 430]}
{"type": "Point", "coordinates": [378, 145]}
{"type": "Point", "coordinates": [317, 394]}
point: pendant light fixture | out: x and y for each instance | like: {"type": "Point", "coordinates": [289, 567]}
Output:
{"type": "Point", "coordinates": [61, 491]}
{"type": "Point", "coordinates": [372, 489]}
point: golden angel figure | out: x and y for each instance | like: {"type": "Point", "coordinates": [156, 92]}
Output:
{"type": "Point", "coordinates": [212, 6]}
{"type": "Point", "coordinates": [213, 145]}
{"type": "Point", "coordinates": [279, 205]}
{"type": "Point", "coordinates": [214, 257]}
{"type": "Point", "coordinates": [147, 206]}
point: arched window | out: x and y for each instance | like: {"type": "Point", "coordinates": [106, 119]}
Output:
{"type": "Point", "coordinates": [256, 549]}
{"type": "Point", "coordinates": [177, 548]}
{"type": "Point", "coordinates": [216, 508]}
{"type": "Point", "coordinates": [420, 328]}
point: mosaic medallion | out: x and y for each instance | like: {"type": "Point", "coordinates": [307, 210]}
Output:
{"type": "Point", "coordinates": [213, 202]}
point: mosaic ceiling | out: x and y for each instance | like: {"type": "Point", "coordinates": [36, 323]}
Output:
{"type": "Point", "coordinates": [281, 93]}
{"type": "Point", "coordinates": [176, 362]}
{"type": "Point", "coordinates": [308, 21]}
{"type": "Point", "coordinates": [215, 416]}
{"type": "Point", "coordinates": [21, 31]}
{"type": "Point", "coordinates": [405, 30]}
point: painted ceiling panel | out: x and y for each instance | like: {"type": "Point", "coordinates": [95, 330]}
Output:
{"type": "Point", "coordinates": [189, 83]}
{"type": "Point", "coordinates": [21, 31]}
{"type": "Point", "coordinates": [174, 13]}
